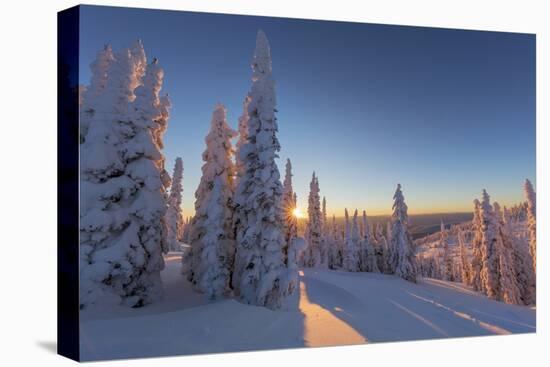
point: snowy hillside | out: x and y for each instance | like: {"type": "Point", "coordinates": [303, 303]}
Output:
{"type": "Point", "coordinates": [335, 308]}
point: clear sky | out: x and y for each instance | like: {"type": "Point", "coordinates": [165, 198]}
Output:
{"type": "Point", "coordinates": [443, 112]}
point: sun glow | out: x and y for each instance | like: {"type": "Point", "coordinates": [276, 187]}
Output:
{"type": "Point", "coordinates": [297, 212]}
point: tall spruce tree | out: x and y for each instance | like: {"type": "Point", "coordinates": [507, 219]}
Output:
{"type": "Point", "coordinates": [314, 226]}
{"type": "Point", "coordinates": [261, 276]}
{"type": "Point", "coordinates": [289, 204]}
{"type": "Point", "coordinates": [123, 189]}
{"type": "Point", "coordinates": [508, 283]}
{"type": "Point", "coordinates": [490, 272]}
{"type": "Point", "coordinates": [531, 220]}
{"type": "Point", "coordinates": [403, 262]}
{"type": "Point", "coordinates": [174, 215]}
{"type": "Point", "coordinates": [212, 242]}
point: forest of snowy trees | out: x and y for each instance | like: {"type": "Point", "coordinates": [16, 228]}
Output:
{"type": "Point", "coordinates": [494, 254]}
{"type": "Point", "coordinates": [243, 240]}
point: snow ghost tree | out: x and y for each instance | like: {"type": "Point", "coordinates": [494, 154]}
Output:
{"type": "Point", "coordinates": [532, 220]}
{"type": "Point", "coordinates": [261, 277]}
{"type": "Point", "coordinates": [351, 261]}
{"type": "Point", "coordinates": [369, 261]}
{"type": "Point", "coordinates": [212, 242]}
{"type": "Point", "coordinates": [403, 261]}
{"type": "Point", "coordinates": [312, 256]}
{"type": "Point", "coordinates": [243, 137]}
{"type": "Point", "coordinates": [335, 245]}
{"type": "Point", "coordinates": [100, 70]}
{"type": "Point", "coordinates": [174, 215]}
{"type": "Point", "coordinates": [289, 204]}
{"type": "Point", "coordinates": [464, 264]}
{"type": "Point", "coordinates": [447, 270]}
{"type": "Point", "coordinates": [123, 188]}
{"type": "Point", "coordinates": [490, 272]}
{"type": "Point", "coordinates": [476, 264]}
{"type": "Point", "coordinates": [509, 287]}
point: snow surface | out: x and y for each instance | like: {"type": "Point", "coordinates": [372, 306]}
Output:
{"type": "Point", "coordinates": [335, 308]}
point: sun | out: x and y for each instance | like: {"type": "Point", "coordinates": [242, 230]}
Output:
{"type": "Point", "coordinates": [297, 212]}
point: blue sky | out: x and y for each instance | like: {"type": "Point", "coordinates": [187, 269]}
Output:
{"type": "Point", "coordinates": [443, 112]}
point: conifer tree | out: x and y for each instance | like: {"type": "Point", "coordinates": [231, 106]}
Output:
{"type": "Point", "coordinates": [476, 264]}
{"type": "Point", "coordinates": [369, 261]}
{"type": "Point", "coordinates": [447, 270]}
{"type": "Point", "coordinates": [261, 277]}
{"type": "Point", "coordinates": [403, 262]}
{"type": "Point", "coordinates": [350, 254]}
{"type": "Point", "coordinates": [123, 189]}
{"type": "Point", "coordinates": [508, 284]}
{"type": "Point", "coordinates": [174, 215]}
{"type": "Point", "coordinates": [212, 242]}
{"type": "Point", "coordinates": [99, 72]}
{"type": "Point", "coordinates": [532, 220]}
{"type": "Point", "coordinates": [464, 264]}
{"type": "Point", "coordinates": [490, 271]}
{"type": "Point", "coordinates": [289, 204]}
{"type": "Point", "coordinates": [314, 226]}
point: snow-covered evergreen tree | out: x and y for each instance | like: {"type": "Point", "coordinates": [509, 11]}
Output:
{"type": "Point", "coordinates": [324, 234]}
{"type": "Point", "coordinates": [351, 256]}
{"type": "Point", "coordinates": [243, 137]}
{"type": "Point", "coordinates": [123, 190]}
{"type": "Point", "coordinates": [531, 219]}
{"type": "Point", "coordinates": [464, 264]}
{"type": "Point", "coordinates": [447, 261]}
{"type": "Point", "coordinates": [403, 261]}
{"type": "Point", "coordinates": [314, 226]}
{"type": "Point", "coordinates": [99, 72]}
{"type": "Point", "coordinates": [508, 284]}
{"type": "Point", "coordinates": [336, 245]}
{"type": "Point", "coordinates": [477, 262]}
{"type": "Point", "coordinates": [385, 259]}
{"type": "Point", "coordinates": [490, 271]}
{"type": "Point", "coordinates": [369, 261]}
{"type": "Point", "coordinates": [289, 204]}
{"type": "Point", "coordinates": [212, 242]}
{"type": "Point", "coordinates": [261, 277]}
{"type": "Point", "coordinates": [174, 214]}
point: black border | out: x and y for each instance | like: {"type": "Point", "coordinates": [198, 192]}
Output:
{"type": "Point", "coordinates": [68, 25]}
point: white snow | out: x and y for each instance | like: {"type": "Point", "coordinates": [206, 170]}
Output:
{"type": "Point", "coordinates": [335, 308]}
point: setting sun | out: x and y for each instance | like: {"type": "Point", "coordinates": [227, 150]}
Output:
{"type": "Point", "coordinates": [297, 212]}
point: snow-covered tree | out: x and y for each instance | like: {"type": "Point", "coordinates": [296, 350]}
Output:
{"type": "Point", "coordinates": [334, 245]}
{"type": "Point", "coordinates": [403, 261]}
{"type": "Point", "coordinates": [490, 271]}
{"type": "Point", "coordinates": [261, 277]}
{"type": "Point", "coordinates": [508, 284]}
{"type": "Point", "coordinates": [447, 261]}
{"type": "Point", "coordinates": [384, 263]}
{"type": "Point", "coordinates": [289, 204]}
{"type": "Point", "coordinates": [351, 260]}
{"type": "Point", "coordinates": [464, 264]}
{"type": "Point", "coordinates": [212, 242]}
{"type": "Point", "coordinates": [123, 189]}
{"type": "Point", "coordinates": [243, 137]}
{"type": "Point", "coordinates": [477, 262]}
{"type": "Point", "coordinates": [211, 238]}
{"type": "Point", "coordinates": [324, 234]}
{"type": "Point", "coordinates": [532, 220]}
{"type": "Point", "coordinates": [99, 72]}
{"type": "Point", "coordinates": [314, 233]}
{"type": "Point", "coordinates": [368, 262]}
{"type": "Point", "coordinates": [174, 214]}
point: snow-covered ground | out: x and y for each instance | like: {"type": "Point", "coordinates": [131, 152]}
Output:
{"type": "Point", "coordinates": [335, 308]}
